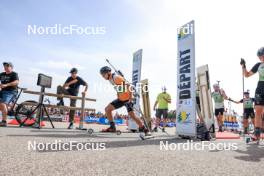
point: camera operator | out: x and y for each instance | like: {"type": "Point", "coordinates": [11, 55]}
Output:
{"type": "Point", "coordinates": [71, 87]}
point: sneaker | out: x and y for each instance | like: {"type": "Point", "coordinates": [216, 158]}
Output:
{"type": "Point", "coordinates": [109, 130]}
{"type": "Point", "coordinates": [3, 124]}
{"type": "Point", "coordinates": [144, 129]}
{"type": "Point", "coordinates": [70, 126]}
{"type": "Point", "coordinates": [163, 130]}
{"type": "Point", "coordinates": [155, 129]}
{"type": "Point", "coordinates": [257, 133]}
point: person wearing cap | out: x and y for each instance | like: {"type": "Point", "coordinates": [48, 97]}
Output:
{"type": "Point", "coordinates": [219, 96]}
{"type": "Point", "coordinates": [248, 105]}
{"type": "Point", "coordinates": [71, 87]}
{"type": "Point", "coordinates": [163, 100]}
{"type": "Point", "coordinates": [259, 93]}
{"type": "Point", "coordinates": [124, 99]}
{"type": "Point", "coordinates": [8, 89]}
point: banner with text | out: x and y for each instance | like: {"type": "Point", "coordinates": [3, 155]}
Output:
{"type": "Point", "coordinates": [136, 76]}
{"type": "Point", "coordinates": [186, 111]}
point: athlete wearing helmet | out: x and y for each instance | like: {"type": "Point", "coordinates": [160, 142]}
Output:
{"type": "Point", "coordinates": [260, 52]}
{"type": "Point", "coordinates": [124, 98]}
{"type": "Point", "coordinates": [105, 70]}
{"type": "Point", "coordinates": [259, 93]}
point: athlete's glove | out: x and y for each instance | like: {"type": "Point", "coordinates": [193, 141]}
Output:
{"type": "Point", "coordinates": [243, 63]}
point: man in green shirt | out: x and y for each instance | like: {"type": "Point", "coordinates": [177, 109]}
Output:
{"type": "Point", "coordinates": [248, 105]}
{"type": "Point", "coordinates": [219, 96]}
{"type": "Point", "coordinates": [163, 100]}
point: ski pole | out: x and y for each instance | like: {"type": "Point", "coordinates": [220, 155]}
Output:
{"type": "Point", "coordinates": [117, 71]}
{"type": "Point", "coordinates": [121, 74]}
{"type": "Point", "coordinates": [243, 87]}
{"type": "Point", "coordinates": [143, 117]}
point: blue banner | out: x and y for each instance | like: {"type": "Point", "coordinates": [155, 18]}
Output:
{"type": "Point", "coordinates": [91, 120]}
{"type": "Point", "coordinates": [169, 124]}
{"type": "Point", "coordinates": [101, 120]}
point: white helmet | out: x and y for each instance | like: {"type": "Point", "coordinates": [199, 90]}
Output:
{"type": "Point", "coordinates": [216, 85]}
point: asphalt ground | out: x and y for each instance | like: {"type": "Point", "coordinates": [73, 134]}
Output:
{"type": "Point", "coordinates": [124, 155]}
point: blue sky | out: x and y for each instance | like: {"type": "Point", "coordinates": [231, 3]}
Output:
{"type": "Point", "coordinates": [224, 33]}
{"type": "Point", "coordinates": [56, 54]}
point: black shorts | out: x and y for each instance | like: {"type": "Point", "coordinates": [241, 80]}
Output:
{"type": "Point", "coordinates": [219, 111]}
{"type": "Point", "coordinates": [259, 96]}
{"type": "Point", "coordinates": [118, 104]}
{"type": "Point", "coordinates": [249, 113]}
{"type": "Point", "coordinates": [162, 112]}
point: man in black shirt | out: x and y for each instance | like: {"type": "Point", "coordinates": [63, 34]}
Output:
{"type": "Point", "coordinates": [71, 87]}
{"type": "Point", "coordinates": [8, 89]}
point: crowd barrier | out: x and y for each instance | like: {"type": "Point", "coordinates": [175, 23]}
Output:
{"type": "Point", "coordinates": [102, 120]}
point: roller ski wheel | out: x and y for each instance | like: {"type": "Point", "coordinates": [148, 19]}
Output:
{"type": "Point", "coordinates": [90, 131]}
{"type": "Point", "coordinates": [118, 132]}
{"type": "Point", "coordinates": [144, 136]}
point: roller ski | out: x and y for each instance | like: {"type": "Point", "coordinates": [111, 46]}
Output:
{"type": "Point", "coordinates": [90, 131]}
{"type": "Point", "coordinates": [250, 138]}
{"type": "Point", "coordinates": [155, 130]}
{"type": "Point", "coordinates": [254, 138]}
{"type": "Point", "coordinates": [145, 134]}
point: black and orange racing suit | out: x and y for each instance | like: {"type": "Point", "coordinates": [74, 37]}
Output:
{"type": "Point", "coordinates": [124, 93]}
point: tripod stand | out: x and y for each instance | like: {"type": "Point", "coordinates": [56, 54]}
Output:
{"type": "Point", "coordinates": [40, 109]}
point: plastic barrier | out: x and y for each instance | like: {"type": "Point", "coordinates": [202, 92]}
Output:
{"type": "Point", "coordinates": [91, 119]}
{"type": "Point", "coordinates": [102, 120]}
{"type": "Point", "coordinates": [14, 122]}
{"type": "Point", "coordinates": [169, 124]}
